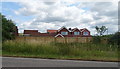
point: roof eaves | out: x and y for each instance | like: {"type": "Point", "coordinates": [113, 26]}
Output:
{"type": "Point", "coordinates": [75, 29]}
{"type": "Point", "coordinates": [62, 28]}
{"type": "Point", "coordinates": [60, 35]}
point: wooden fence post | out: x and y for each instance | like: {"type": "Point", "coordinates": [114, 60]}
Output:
{"type": "Point", "coordinates": [24, 38]}
{"type": "Point", "coordinates": [76, 39]}
{"type": "Point", "coordinates": [86, 39]}
{"type": "Point", "coordinates": [36, 38]}
{"type": "Point", "coordinates": [65, 40]}
{"type": "Point", "coordinates": [55, 39]}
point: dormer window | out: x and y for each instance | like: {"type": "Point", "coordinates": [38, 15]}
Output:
{"type": "Point", "coordinates": [76, 33]}
{"type": "Point", "coordinates": [85, 33]}
{"type": "Point", "coordinates": [64, 33]}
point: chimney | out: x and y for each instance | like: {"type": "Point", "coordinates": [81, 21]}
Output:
{"type": "Point", "coordinates": [70, 29]}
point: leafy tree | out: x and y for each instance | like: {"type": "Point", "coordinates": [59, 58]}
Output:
{"type": "Point", "coordinates": [101, 30]}
{"type": "Point", "coordinates": [7, 28]}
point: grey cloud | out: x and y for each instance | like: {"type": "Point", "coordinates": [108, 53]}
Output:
{"type": "Point", "coordinates": [96, 17]}
{"type": "Point", "coordinates": [101, 6]}
{"type": "Point", "coordinates": [52, 19]}
{"type": "Point", "coordinates": [49, 3]}
{"type": "Point", "coordinates": [112, 14]}
{"type": "Point", "coordinates": [106, 23]}
{"type": "Point", "coordinates": [105, 9]}
{"type": "Point", "coordinates": [86, 21]}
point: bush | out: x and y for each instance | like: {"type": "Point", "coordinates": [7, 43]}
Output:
{"type": "Point", "coordinates": [96, 39]}
{"type": "Point", "coordinates": [115, 39]}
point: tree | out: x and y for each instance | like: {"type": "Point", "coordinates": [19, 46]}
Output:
{"type": "Point", "coordinates": [7, 28]}
{"type": "Point", "coordinates": [101, 30]}
{"type": "Point", "coordinates": [97, 29]}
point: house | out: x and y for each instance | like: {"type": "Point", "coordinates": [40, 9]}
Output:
{"type": "Point", "coordinates": [31, 33]}
{"type": "Point", "coordinates": [62, 32]}
{"type": "Point", "coordinates": [74, 32]}
{"type": "Point", "coordinates": [85, 32]}
{"type": "Point", "coordinates": [51, 31]}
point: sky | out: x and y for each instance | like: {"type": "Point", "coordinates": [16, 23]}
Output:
{"type": "Point", "coordinates": [37, 15]}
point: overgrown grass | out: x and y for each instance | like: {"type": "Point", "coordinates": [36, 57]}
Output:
{"type": "Point", "coordinates": [74, 50]}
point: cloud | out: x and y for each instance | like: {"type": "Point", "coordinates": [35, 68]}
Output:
{"type": "Point", "coordinates": [53, 15]}
{"type": "Point", "coordinates": [51, 19]}
{"type": "Point", "coordinates": [106, 9]}
{"type": "Point", "coordinates": [49, 3]}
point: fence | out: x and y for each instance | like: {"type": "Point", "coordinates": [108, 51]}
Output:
{"type": "Point", "coordinates": [58, 39]}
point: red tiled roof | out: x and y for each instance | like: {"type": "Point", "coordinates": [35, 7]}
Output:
{"type": "Point", "coordinates": [75, 29]}
{"type": "Point", "coordinates": [52, 31]}
{"type": "Point", "coordinates": [30, 31]}
{"type": "Point", "coordinates": [81, 29]}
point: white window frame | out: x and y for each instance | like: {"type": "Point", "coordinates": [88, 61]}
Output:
{"type": "Point", "coordinates": [64, 33]}
{"type": "Point", "coordinates": [85, 33]}
{"type": "Point", "coordinates": [76, 33]}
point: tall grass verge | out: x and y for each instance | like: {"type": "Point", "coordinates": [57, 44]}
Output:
{"type": "Point", "coordinates": [74, 50]}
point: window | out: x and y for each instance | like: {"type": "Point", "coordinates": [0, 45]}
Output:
{"type": "Point", "coordinates": [76, 33]}
{"type": "Point", "coordinates": [64, 33]}
{"type": "Point", "coordinates": [85, 33]}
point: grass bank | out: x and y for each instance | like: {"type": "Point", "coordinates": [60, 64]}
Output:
{"type": "Point", "coordinates": [75, 50]}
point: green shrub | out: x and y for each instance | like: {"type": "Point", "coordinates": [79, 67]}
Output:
{"type": "Point", "coordinates": [115, 39]}
{"type": "Point", "coordinates": [96, 39]}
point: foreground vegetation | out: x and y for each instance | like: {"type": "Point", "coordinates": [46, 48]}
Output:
{"type": "Point", "coordinates": [74, 50]}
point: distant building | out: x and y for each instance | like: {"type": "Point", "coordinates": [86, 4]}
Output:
{"type": "Point", "coordinates": [51, 31]}
{"type": "Point", "coordinates": [15, 31]}
{"type": "Point", "coordinates": [31, 32]}
{"type": "Point", "coordinates": [62, 32]}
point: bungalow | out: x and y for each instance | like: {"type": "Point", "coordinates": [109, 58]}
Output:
{"type": "Point", "coordinates": [62, 32]}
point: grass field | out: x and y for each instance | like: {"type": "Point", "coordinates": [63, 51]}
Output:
{"type": "Point", "coordinates": [58, 50]}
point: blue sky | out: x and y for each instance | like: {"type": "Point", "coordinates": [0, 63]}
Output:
{"type": "Point", "coordinates": [8, 9]}
{"type": "Point", "coordinates": [45, 15]}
